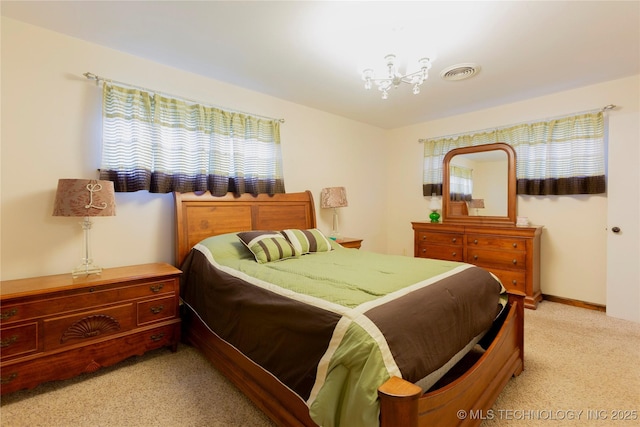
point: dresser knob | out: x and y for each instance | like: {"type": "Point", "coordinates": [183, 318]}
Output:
{"type": "Point", "coordinates": [7, 314]}
{"type": "Point", "coordinates": [6, 380]}
{"type": "Point", "coordinates": [454, 254]}
{"type": "Point", "coordinates": [515, 245]}
{"type": "Point", "coordinates": [157, 337]}
{"type": "Point", "coordinates": [424, 237]}
{"type": "Point", "coordinates": [157, 309]}
{"type": "Point", "coordinates": [475, 257]}
{"type": "Point", "coordinates": [515, 261]}
{"type": "Point", "coordinates": [424, 251]}
{"type": "Point", "coordinates": [475, 242]}
{"type": "Point", "coordinates": [514, 281]}
{"type": "Point", "coordinates": [454, 240]}
{"type": "Point", "coordinates": [156, 288]}
{"type": "Point", "coordinates": [7, 342]}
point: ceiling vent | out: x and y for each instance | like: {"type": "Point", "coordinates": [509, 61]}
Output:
{"type": "Point", "coordinates": [460, 72]}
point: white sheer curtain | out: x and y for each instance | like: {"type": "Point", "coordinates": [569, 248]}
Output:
{"type": "Point", "coordinates": [162, 144]}
{"type": "Point", "coordinates": [560, 156]}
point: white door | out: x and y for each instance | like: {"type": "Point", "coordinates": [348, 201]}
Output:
{"type": "Point", "coordinates": [623, 212]}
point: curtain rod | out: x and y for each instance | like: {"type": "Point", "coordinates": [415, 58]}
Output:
{"type": "Point", "coordinates": [454, 135]}
{"type": "Point", "coordinates": [98, 79]}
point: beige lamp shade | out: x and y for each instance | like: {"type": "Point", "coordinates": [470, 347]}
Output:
{"type": "Point", "coordinates": [476, 203]}
{"type": "Point", "coordinates": [333, 197]}
{"type": "Point", "coordinates": [84, 197]}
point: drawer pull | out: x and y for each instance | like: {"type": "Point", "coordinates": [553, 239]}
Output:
{"type": "Point", "coordinates": [90, 327]}
{"type": "Point", "coordinates": [515, 245]}
{"type": "Point", "coordinates": [475, 257]}
{"type": "Point", "coordinates": [454, 253]}
{"type": "Point", "coordinates": [424, 237]}
{"type": "Point", "coordinates": [6, 380]}
{"type": "Point", "coordinates": [156, 288]}
{"type": "Point", "coordinates": [454, 240]}
{"type": "Point", "coordinates": [8, 314]}
{"type": "Point", "coordinates": [424, 251]}
{"type": "Point", "coordinates": [515, 261]}
{"type": "Point", "coordinates": [157, 309]}
{"type": "Point", "coordinates": [157, 337]}
{"type": "Point", "coordinates": [514, 281]}
{"type": "Point", "coordinates": [475, 241]}
{"type": "Point", "coordinates": [7, 342]}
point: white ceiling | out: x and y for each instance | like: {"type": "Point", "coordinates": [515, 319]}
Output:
{"type": "Point", "coordinates": [311, 53]}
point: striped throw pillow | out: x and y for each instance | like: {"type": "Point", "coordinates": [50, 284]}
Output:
{"type": "Point", "coordinates": [307, 241]}
{"type": "Point", "coordinates": [268, 246]}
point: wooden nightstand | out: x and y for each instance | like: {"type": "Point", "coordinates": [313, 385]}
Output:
{"type": "Point", "coordinates": [349, 242]}
{"type": "Point", "coordinates": [56, 327]}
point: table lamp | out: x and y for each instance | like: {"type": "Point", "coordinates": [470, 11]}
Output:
{"type": "Point", "coordinates": [334, 197]}
{"type": "Point", "coordinates": [85, 198]}
{"type": "Point", "coordinates": [476, 204]}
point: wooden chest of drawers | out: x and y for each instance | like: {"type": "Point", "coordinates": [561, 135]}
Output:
{"type": "Point", "coordinates": [56, 327]}
{"type": "Point", "coordinates": [511, 253]}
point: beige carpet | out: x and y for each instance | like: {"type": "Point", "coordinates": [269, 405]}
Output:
{"type": "Point", "coordinates": [579, 364]}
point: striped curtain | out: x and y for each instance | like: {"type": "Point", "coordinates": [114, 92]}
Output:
{"type": "Point", "coordinates": [160, 144]}
{"type": "Point", "coordinates": [460, 183]}
{"type": "Point", "coordinates": [557, 157]}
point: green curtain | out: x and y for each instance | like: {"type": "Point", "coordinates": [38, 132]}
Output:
{"type": "Point", "coordinates": [555, 157]}
{"type": "Point", "coordinates": [160, 144]}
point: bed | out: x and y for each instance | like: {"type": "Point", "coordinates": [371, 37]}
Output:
{"type": "Point", "coordinates": [471, 385]}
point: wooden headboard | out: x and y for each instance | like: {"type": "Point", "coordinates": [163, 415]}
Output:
{"type": "Point", "coordinates": [201, 215]}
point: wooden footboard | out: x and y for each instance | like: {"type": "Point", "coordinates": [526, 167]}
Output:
{"type": "Point", "coordinates": [466, 400]}
{"type": "Point", "coordinates": [402, 404]}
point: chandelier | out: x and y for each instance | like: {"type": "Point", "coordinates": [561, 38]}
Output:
{"type": "Point", "coordinates": [394, 78]}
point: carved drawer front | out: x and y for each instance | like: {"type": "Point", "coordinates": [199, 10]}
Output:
{"type": "Point", "coordinates": [512, 280]}
{"type": "Point", "coordinates": [493, 242]}
{"type": "Point", "coordinates": [514, 260]}
{"type": "Point", "coordinates": [157, 309]}
{"type": "Point", "coordinates": [440, 238]}
{"type": "Point", "coordinates": [18, 340]}
{"type": "Point", "coordinates": [84, 327]}
{"type": "Point", "coordinates": [445, 252]}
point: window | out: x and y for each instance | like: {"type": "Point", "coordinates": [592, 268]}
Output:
{"type": "Point", "coordinates": [556, 157]}
{"type": "Point", "coordinates": [461, 183]}
{"type": "Point", "coordinates": [160, 144]}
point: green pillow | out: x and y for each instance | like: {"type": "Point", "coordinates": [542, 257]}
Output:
{"type": "Point", "coordinates": [306, 241]}
{"type": "Point", "coordinates": [268, 246]}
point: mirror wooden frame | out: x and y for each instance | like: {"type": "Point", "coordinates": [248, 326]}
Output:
{"type": "Point", "coordinates": [510, 218]}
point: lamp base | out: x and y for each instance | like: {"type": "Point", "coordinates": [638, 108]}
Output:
{"type": "Point", "coordinates": [435, 216]}
{"type": "Point", "coordinates": [85, 270]}
{"type": "Point", "coordinates": [87, 267]}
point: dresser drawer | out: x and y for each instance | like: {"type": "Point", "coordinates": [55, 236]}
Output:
{"type": "Point", "coordinates": [85, 327]}
{"type": "Point", "coordinates": [500, 259]}
{"type": "Point", "coordinates": [445, 252]}
{"type": "Point", "coordinates": [495, 242]}
{"type": "Point", "coordinates": [512, 280]}
{"type": "Point", "coordinates": [454, 239]}
{"type": "Point", "coordinates": [156, 309]}
{"type": "Point", "coordinates": [19, 340]}
{"type": "Point", "coordinates": [91, 296]}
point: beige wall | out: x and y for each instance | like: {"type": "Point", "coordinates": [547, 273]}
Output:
{"type": "Point", "coordinates": [51, 129]}
{"type": "Point", "coordinates": [574, 241]}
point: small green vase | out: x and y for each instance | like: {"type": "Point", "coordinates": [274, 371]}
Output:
{"type": "Point", "coordinates": [435, 216]}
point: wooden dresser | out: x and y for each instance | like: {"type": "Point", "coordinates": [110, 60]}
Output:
{"type": "Point", "coordinates": [511, 253]}
{"type": "Point", "coordinates": [56, 327]}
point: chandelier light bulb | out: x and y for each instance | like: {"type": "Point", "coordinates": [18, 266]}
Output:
{"type": "Point", "coordinates": [395, 78]}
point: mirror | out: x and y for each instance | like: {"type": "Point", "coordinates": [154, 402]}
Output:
{"type": "Point", "coordinates": [479, 185]}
